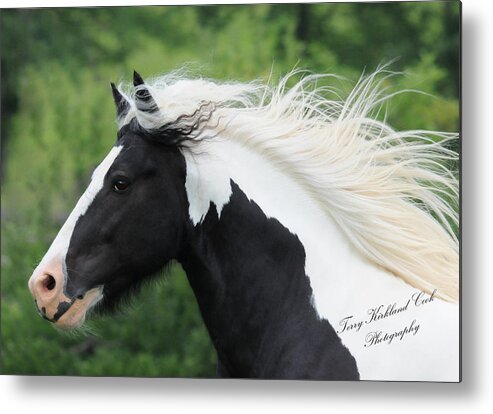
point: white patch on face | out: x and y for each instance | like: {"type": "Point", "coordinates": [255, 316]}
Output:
{"type": "Point", "coordinates": [343, 282]}
{"type": "Point", "coordinates": [61, 243]}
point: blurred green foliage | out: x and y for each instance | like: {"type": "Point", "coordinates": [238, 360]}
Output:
{"type": "Point", "coordinates": [58, 123]}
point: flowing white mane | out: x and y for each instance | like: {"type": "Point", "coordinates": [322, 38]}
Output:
{"type": "Point", "coordinates": [390, 192]}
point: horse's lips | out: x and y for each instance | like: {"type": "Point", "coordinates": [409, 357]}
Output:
{"type": "Point", "coordinates": [75, 316]}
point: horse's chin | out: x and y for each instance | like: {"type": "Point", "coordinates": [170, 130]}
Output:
{"type": "Point", "coordinates": [75, 316]}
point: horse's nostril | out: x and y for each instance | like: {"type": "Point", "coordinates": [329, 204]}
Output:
{"type": "Point", "coordinates": [80, 297]}
{"type": "Point", "coordinates": [49, 282]}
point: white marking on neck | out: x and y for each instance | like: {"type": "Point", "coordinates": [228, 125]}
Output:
{"type": "Point", "coordinates": [206, 182]}
{"type": "Point", "coordinates": [343, 282]}
{"type": "Point", "coordinates": [60, 245]}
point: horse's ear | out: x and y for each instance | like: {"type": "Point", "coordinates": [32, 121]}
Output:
{"type": "Point", "coordinates": [122, 105]}
{"type": "Point", "coordinates": [144, 102]}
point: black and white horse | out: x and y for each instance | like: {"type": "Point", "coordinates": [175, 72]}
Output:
{"type": "Point", "coordinates": [318, 241]}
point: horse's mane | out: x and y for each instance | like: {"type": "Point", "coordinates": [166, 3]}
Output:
{"type": "Point", "coordinates": [390, 192]}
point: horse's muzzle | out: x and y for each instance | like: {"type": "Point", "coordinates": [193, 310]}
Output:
{"type": "Point", "coordinates": [47, 287]}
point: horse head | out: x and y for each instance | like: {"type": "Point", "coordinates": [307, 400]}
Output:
{"type": "Point", "coordinates": [135, 202]}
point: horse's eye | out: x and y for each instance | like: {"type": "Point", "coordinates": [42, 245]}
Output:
{"type": "Point", "coordinates": [120, 185]}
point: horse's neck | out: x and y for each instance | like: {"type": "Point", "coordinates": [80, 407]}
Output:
{"type": "Point", "coordinates": [344, 283]}
{"type": "Point", "coordinates": [248, 274]}
{"type": "Point", "coordinates": [340, 277]}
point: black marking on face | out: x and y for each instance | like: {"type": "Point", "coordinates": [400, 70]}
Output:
{"type": "Point", "coordinates": [61, 309]}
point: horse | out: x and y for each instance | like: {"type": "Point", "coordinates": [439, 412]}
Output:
{"type": "Point", "coordinates": [319, 242]}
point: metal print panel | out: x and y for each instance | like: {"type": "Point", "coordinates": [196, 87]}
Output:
{"type": "Point", "coordinates": [286, 206]}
